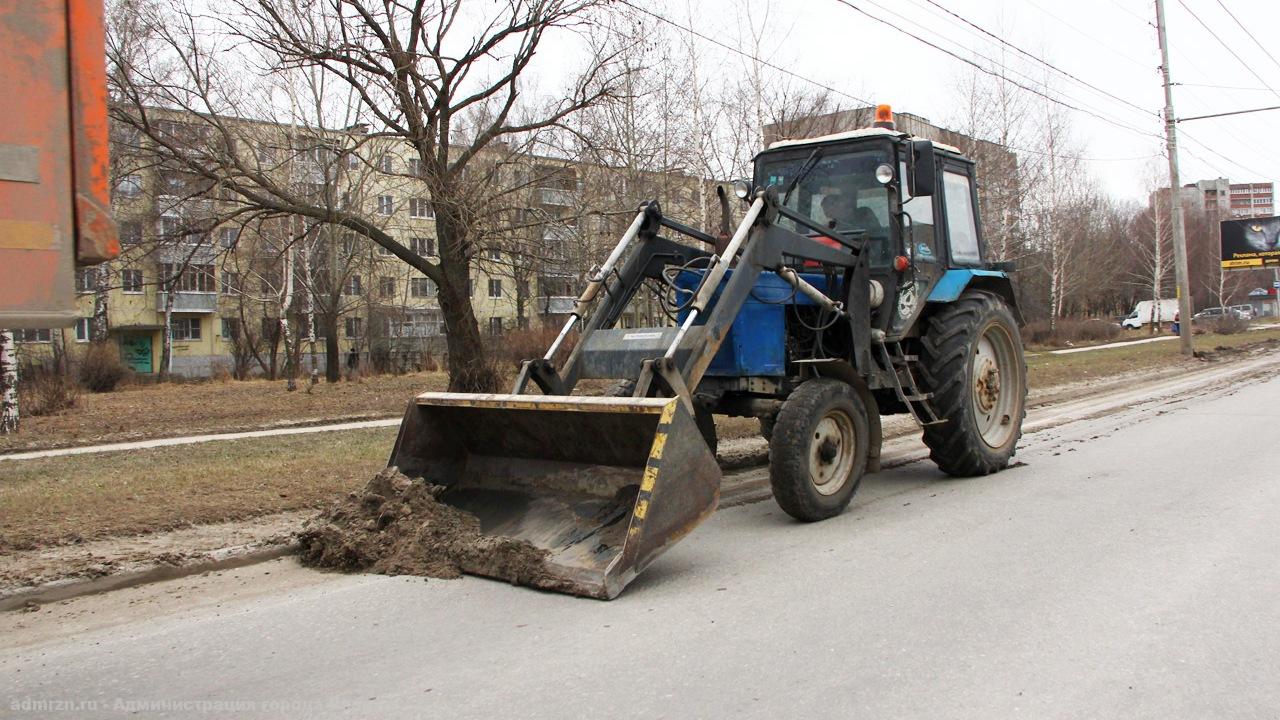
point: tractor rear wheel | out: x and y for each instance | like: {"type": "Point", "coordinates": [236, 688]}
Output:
{"type": "Point", "coordinates": [818, 452]}
{"type": "Point", "coordinates": [972, 363]}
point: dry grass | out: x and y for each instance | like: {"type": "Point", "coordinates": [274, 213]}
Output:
{"type": "Point", "coordinates": [1046, 370]}
{"type": "Point", "coordinates": [84, 497]}
{"type": "Point", "coordinates": [138, 412]}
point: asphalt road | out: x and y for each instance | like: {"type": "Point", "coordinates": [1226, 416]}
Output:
{"type": "Point", "coordinates": [1129, 569]}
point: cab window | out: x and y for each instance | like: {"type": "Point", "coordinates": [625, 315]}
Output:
{"type": "Point", "coordinates": [841, 193]}
{"type": "Point", "coordinates": [962, 231]}
{"type": "Point", "coordinates": [917, 223]}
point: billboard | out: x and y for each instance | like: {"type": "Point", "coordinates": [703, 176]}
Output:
{"type": "Point", "coordinates": [1251, 243]}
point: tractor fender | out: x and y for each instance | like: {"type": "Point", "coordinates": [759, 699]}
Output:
{"type": "Point", "coordinates": [956, 281]}
{"type": "Point", "coordinates": [841, 370]}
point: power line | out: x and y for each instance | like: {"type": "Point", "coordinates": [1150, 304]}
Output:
{"type": "Point", "coordinates": [1261, 47]}
{"type": "Point", "coordinates": [1228, 48]}
{"type": "Point", "coordinates": [1219, 87]}
{"type": "Point", "coordinates": [1228, 113]}
{"type": "Point", "coordinates": [743, 53]}
{"type": "Point", "coordinates": [967, 61]}
{"type": "Point", "coordinates": [1038, 59]}
{"type": "Point", "coordinates": [1202, 144]}
{"type": "Point", "coordinates": [1145, 65]}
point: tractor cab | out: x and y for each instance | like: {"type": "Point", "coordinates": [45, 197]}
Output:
{"type": "Point", "coordinates": [912, 200]}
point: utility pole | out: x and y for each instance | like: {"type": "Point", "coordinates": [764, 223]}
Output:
{"type": "Point", "coordinates": [1175, 193]}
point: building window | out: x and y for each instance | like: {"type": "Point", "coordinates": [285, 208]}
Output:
{"type": "Point", "coordinates": [353, 286]}
{"type": "Point", "coordinates": [31, 335]}
{"type": "Point", "coordinates": [384, 250]}
{"type": "Point", "coordinates": [415, 167]}
{"type": "Point", "coordinates": [424, 246]}
{"type": "Point", "coordinates": [169, 227]}
{"type": "Point", "coordinates": [82, 329]}
{"type": "Point", "coordinates": [421, 287]}
{"type": "Point", "coordinates": [494, 253]}
{"type": "Point", "coordinates": [131, 281]}
{"type": "Point", "coordinates": [348, 244]}
{"type": "Point", "coordinates": [386, 204]}
{"type": "Point", "coordinates": [420, 208]}
{"type": "Point", "coordinates": [86, 280]}
{"type": "Point", "coordinates": [495, 288]}
{"type": "Point", "coordinates": [185, 328]}
{"type": "Point", "coordinates": [495, 326]}
{"type": "Point", "coordinates": [228, 236]}
{"type": "Point", "coordinates": [230, 283]}
{"type": "Point", "coordinates": [355, 327]}
{"type": "Point", "coordinates": [196, 278]}
{"type": "Point", "coordinates": [386, 286]}
{"type": "Point", "coordinates": [129, 186]}
{"type": "Point", "coordinates": [386, 163]}
{"type": "Point", "coordinates": [130, 234]}
{"type": "Point", "coordinates": [230, 329]}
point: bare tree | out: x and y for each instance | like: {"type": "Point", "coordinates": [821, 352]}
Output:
{"type": "Point", "coordinates": [442, 82]}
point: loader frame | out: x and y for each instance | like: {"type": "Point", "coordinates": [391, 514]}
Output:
{"type": "Point", "coordinates": [675, 362]}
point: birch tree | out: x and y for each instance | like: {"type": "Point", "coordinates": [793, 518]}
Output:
{"type": "Point", "coordinates": [8, 383]}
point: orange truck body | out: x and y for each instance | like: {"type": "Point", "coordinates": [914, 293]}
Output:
{"type": "Point", "coordinates": [54, 164]}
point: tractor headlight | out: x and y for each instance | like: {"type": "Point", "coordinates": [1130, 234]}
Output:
{"type": "Point", "coordinates": [742, 188]}
{"type": "Point", "coordinates": [884, 173]}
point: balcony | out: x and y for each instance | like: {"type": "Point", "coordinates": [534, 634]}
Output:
{"type": "Point", "coordinates": [556, 196]}
{"type": "Point", "coordinates": [189, 302]}
{"type": "Point", "coordinates": [558, 234]}
{"type": "Point", "coordinates": [557, 304]}
{"type": "Point", "coordinates": [187, 254]}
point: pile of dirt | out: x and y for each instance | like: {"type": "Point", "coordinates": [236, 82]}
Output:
{"type": "Point", "coordinates": [398, 526]}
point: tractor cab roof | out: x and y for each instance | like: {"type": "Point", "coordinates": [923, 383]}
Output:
{"type": "Point", "coordinates": [856, 134]}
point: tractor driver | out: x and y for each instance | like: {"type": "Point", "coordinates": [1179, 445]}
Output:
{"type": "Point", "coordinates": [843, 213]}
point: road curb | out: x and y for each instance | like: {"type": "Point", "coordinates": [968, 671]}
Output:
{"type": "Point", "coordinates": [68, 588]}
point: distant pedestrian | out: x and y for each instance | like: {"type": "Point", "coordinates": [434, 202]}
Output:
{"type": "Point", "coordinates": [353, 358]}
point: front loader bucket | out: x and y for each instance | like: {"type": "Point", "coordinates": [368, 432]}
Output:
{"type": "Point", "coordinates": [603, 484]}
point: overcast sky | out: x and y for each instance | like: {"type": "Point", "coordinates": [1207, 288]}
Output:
{"type": "Point", "coordinates": [1110, 44]}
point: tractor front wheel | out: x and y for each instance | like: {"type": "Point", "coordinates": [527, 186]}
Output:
{"type": "Point", "coordinates": [818, 450]}
{"type": "Point", "coordinates": [972, 363]}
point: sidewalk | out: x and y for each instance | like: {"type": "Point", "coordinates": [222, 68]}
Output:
{"type": "Point", "coordinates": [1126, 343]}
{"type": "Point", "coordinates": [192, 439]}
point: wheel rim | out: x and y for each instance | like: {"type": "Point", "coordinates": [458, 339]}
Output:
{"type": "Point", "coordinates": [832, 451]}
{"type": "Point", "coordinates": [996, 383]}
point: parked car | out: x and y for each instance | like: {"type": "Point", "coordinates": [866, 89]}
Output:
{"type": "Point", "coordinates": [1246, 311]}
{"type": "Point", "coordinates": [1218, 312]}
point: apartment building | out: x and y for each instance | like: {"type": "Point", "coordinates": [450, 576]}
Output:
{"type": "Point", "coordinates": [1252, 199]}
{"type": "Point", "coordinates": [226, 275]}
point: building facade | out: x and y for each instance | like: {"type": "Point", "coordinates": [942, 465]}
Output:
{"type": "Point", "coordinates": [224, 276]}
{"type": "Point", "coordinates": [1252, 199]}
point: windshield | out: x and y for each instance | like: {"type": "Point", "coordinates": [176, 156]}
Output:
{"type": "Point", "coordinates": [840, 192]}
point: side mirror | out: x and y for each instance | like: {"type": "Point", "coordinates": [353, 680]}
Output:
{"type": "Point", "coordinates": [922, 175]}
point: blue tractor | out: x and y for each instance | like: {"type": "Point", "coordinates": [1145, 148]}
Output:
{"type": "Point", "coordinates": [857, 285]}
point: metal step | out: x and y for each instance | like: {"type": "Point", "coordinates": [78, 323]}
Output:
{"type": "Point", "coordinates": [909, 393]}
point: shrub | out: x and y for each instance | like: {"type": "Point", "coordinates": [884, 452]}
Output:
{"type": "Point", "coordinates": [101, 369]}
{"type": "Point", "coordinates": [1229, 324]}
{"type": "Point", "coordinates": [1069, 332]}
{"type": "Point", "coordinates": [45, 391]}
{"type": "Point", "coordinates": [527, 343]}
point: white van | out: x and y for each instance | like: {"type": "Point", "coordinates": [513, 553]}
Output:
{"type": "Point", "coordinates": [1148, 311]}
